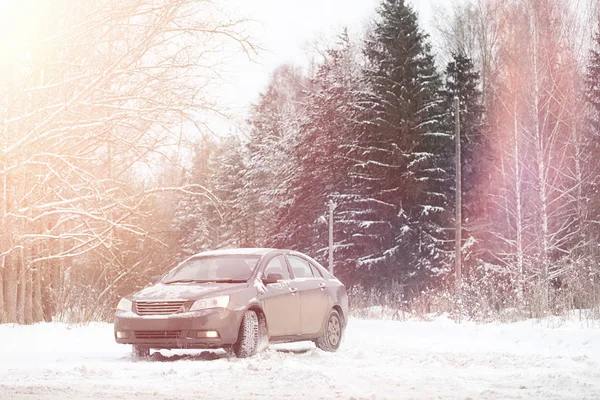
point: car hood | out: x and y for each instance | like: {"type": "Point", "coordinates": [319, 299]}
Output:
{"type": "Point", "coordinates": [177, 291]}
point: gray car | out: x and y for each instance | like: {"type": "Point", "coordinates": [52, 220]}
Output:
{"type": "Point", "coordinates": [240, 300]}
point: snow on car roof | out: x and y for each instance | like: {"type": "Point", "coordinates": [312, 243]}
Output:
{"type": "Point", "coordinates": [237, 251]}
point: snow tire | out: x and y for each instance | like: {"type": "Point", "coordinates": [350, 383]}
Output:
{"type": "Point", "coordinates": [332, 333]}
{"type": "Point", "coordinates": [249, 339]}
{"type": "Point", "coordinates": [140, 353]}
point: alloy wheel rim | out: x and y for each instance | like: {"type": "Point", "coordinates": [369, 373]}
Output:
{"type": "Point", "coordinates": [334, 330]}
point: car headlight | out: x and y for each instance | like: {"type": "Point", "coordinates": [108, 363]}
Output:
{"type": "Point", "coordinates": [213, 302]}
{"type": "Point", "coordinates": [125, 305]}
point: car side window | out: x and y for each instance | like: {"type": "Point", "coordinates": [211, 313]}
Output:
{"type": "Point", "coordinates": [277, 265]}
{"type": "Point", "coordinates": [300, 267]}
{"type": "Point", "coordinates": [322, 270]}
{"type": "Point", "coordinates": [316, 271]}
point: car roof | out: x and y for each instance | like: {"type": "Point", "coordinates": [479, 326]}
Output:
{"type": "Point", "coordinates": [237, 251]}
{"type": "Point", "coordinates": [256, 251]}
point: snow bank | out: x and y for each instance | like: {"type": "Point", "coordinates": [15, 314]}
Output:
{"type": "Point", "coordinates": [378, 359]}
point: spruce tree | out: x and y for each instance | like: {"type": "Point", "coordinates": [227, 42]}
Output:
{"type": "Point", "coordinates": [215, 217]}
{"type": "Point", "coordinates": [194, 213]}
{"type": "Point", "coordinates": [321, 170]}
{"type": "Point", "coordinates": [227, 167]}
{"type": "Point", "coordinates": [402, 168]}
{"type": "Point", "coordinates": [275, 122]}
{"type": "Point", "coordinates": [462, 81]}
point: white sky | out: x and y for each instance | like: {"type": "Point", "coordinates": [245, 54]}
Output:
{"type": "Point", "coordinates": [286, 28]}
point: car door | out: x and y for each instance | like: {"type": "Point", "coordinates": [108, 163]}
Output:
{"type": "Point", "coordinates": [281, 300]}
{"type": "Point", "coordinates": [315, 303]}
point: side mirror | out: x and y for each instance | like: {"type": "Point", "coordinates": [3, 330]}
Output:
{"type": "Point", "coordinates": [273, 277]}
{"type": "Point", "coordinates": [155, 279]}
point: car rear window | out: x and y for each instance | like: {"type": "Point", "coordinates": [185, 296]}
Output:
{"type": "Point", "coordinates": [215, 268]}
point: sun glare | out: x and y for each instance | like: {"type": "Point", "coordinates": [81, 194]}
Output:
{"type": "Point", "coordinates": [19, 28]}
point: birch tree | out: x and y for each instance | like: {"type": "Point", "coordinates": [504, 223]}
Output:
{"type": "Point", "coordinates": [536, 118]}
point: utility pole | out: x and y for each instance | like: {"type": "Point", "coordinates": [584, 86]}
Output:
{"type": "Point", "coordinates": [332, 206]}
{"type": "Point", "coordinates": [458, 227]}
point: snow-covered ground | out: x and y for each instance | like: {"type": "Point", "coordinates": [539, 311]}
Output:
{"type": "Point", "coordinates": [551, 359]}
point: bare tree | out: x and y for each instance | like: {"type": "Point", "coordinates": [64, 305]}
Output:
{"type": "Point", "coordinates": [472, 28]}
{"type": "Point", "coordinates": [101, 90]}
{"type": "Point", "coordinates": [538, 101]}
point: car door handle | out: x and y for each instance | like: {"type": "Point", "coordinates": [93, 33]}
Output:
{"type": "Point", "coordinates": [322, 285]}
{"type": "Point", "coordinates": [293, 290]}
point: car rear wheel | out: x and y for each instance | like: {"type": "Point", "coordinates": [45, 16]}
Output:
{"type": "Point", "coordinates": [249, 336]}
{"type": "Point", "coordinates": [140, 353]}
{"type": "Point", "coordinates": [332, 333]}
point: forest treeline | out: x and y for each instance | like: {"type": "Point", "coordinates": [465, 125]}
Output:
{"type": "Point", "coordinates": [369, 126]}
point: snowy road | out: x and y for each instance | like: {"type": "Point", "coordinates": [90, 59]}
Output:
{"type": "Point", "coordinates": [378, 360]}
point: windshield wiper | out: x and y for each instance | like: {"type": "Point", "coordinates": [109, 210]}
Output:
{"type": "Point", "coordinates": [185, 281]}
{"type": "Point", "coordinates": [207, 281]}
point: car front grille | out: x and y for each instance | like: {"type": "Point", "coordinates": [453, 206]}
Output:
{"type": "Point", "coordinates": [157, 334]}
{"type": "Point", "coordinates": [158, 308]}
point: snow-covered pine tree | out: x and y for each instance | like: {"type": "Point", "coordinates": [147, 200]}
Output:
{"type": "Point", "coordinates": [218, 220]}
{"type": "Point", "coordinates": [403, 153]}
{"type": "Point", "coordinates": [227, 169]}
{"type": "Point", "coordinates": [275, 122]}
{"type": "Point", "coordinates": [462, 81]}
{"type": "Point", "coordinates": [322, 166]}
{"type": "Point", "coordinates": [194, 213]}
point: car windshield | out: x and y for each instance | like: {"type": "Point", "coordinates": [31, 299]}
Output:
{"type": "Point", "coordinates": [226, 268]}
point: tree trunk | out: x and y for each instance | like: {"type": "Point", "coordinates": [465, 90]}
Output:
{"type": "Point", "coordinates": [2, 319]}
{"type": "Point", "coordinates": [21, 289]}
{"type": "Point", "coordinates": [519, 215]}
{"type": "Point", "coordinates": [37, 310]}
{"type": "Point", "coordinates": [27, 310]}
{"type": "Point", "coordinates": [47, 289]}
{"type": "Point", "coordinates": [11, 289]}
{"type": "Point", "coordinates": [540, 148]}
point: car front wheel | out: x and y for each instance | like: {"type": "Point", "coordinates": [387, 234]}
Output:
{"type": "Point", "coordinates": [140, 353]}
{"type": "Point", "coordinates": [332, 333]}
{"type": "Point", "coordinates": [249, 336]}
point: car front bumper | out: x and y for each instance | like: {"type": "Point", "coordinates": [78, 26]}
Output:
{"type": "Point", "coordinates": [178, 331]}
